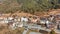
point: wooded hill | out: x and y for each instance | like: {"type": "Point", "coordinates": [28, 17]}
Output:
{"type": "Point", "coordinates": [29, 6]}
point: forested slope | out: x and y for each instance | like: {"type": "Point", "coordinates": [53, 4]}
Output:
{"type": "Point", "coordinates": [30, 6]}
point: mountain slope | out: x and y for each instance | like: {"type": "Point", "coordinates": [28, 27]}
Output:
{"type": "Point", "coordinates": [29, 6]}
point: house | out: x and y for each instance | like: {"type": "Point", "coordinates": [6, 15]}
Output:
{"type": "Point", "coordinates": [2, 20]}
{"type": "Point", "coordinates": [13, 26]}
{"type": "Point", "coordinates": [17, 18]}
{"type": "Point", "coordinates": [58, 15]}
{"type": "Point", "coordinates": [24, 19]}
{"type": "Point", "coordinates": [51, 25]}
{"type": "Point", "coordinates": [19, 24]}
{"type": "Point", "coordinates": [6, 20]}
{"type": "Point", "coordinates": [58, 26]}
{"type": "Point", "coordinates": [58, 23]}
{"type": "Point", "coordinates": [33, 19]}
{"type": "Point", "coordinates": [43, 20]}
{"type": "Point", "coordinates": [51, 17]}
{"type": "Point", "coordinates": [10, 18]}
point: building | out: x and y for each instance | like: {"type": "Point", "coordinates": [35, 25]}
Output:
{"type": "Point", "coordinates": [24, 19]}
{"type": "Point", "coordinates": [43, 20]}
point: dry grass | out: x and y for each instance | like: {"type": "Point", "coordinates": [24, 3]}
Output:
{"type": "Point", "coordinates": [5, 30]}
{"type": "Point", "coordinates": [31, 31]}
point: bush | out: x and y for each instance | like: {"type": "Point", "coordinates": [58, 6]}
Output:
{"type": "Point", "coordinates": [52, 32]}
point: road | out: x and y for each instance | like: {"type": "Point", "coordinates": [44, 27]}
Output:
{"type": "Point", "coordinates": [38, 27]}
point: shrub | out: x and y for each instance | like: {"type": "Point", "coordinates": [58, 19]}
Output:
{"type": "Point", "coordinates": [52, 32]}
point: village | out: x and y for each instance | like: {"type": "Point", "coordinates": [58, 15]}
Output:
{"type": "Point", "coordinates": [52, 22]}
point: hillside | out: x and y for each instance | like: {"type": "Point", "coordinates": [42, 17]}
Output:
{"type": "Point", "coordinates": [9, 6]}
{"type": "Point", "coordinates": [29, 6]}
{"type": "Point", "coordinates": [40, 8]}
